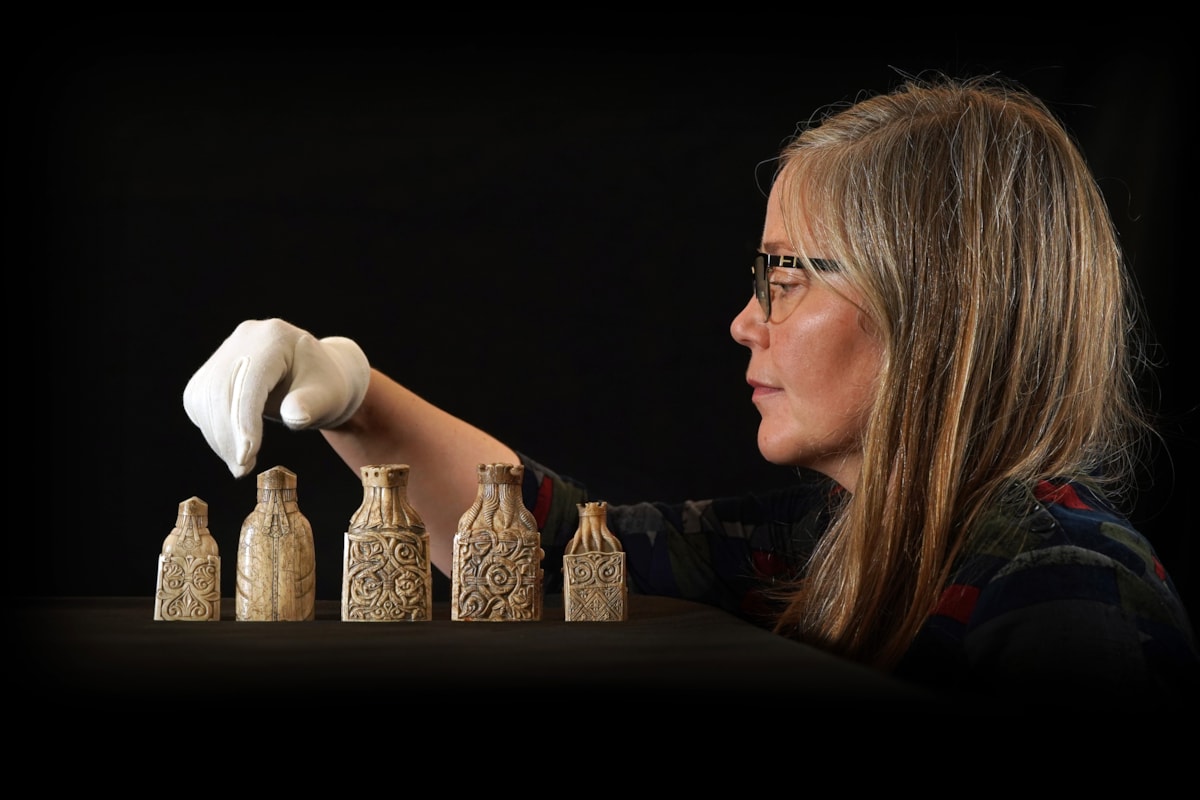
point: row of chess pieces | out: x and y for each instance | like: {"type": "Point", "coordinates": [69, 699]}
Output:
{"type": "Point", "coordinates": [386, 569]}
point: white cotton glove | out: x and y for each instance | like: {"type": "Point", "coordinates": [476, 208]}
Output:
{"type": "Point", "coordinates": [270, 368]}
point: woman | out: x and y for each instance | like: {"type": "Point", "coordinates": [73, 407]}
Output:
{"type": "Point", "coordinates": [940, 343]}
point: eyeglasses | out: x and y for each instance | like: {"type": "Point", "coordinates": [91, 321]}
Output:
{"type": "Point", "coordinates": [767, 290]}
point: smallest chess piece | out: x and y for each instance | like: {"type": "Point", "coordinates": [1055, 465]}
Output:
{"type": "Point", "coordinates": [594, 570]}
{"type": "Point", "coordinates": [189, 569]}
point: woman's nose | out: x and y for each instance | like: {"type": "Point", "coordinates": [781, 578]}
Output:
{"type": "Point", "coordinates": [747, 327]}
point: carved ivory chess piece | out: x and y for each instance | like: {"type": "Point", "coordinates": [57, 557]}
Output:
{"type": "Point", "coordinates": [276, 560]}
{"type": "Point", "coordinates": [386, 572]}
{"type": "Point", "coordinates": [497, 572]}
{"type": "Point", "coordinates": [189, 569]}
{"type": "Point", "coordinates": [594, 570]}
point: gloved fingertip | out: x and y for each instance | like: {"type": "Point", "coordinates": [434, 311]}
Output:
{"type": "Point", "coordinates": [297, 423]}
{"type": "Point", "coordinates": [294, 412]}
{"type": "Point", "coordinates": [243, 458]}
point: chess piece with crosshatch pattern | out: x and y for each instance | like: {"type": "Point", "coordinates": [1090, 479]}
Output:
{"type": "Point", "coordinates": [276, 560]}
{"type": "Point", "coordinates": [497, 563]}
{"type": "Point", "coordinates": [189, 569]}
{"type": "Point", "coordinates": [594, 588]}
{"type": "Point", "coordinates": [386, 572]}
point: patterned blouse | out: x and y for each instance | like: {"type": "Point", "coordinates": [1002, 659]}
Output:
{"type": "Point", "coordinates": [1054, 599]}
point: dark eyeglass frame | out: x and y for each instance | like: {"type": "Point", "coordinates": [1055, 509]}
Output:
{"type": "Point", "coordinates": [764, 263]}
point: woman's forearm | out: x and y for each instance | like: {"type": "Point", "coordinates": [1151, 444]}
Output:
{"type": "Point", "coordinates": [396, 426]}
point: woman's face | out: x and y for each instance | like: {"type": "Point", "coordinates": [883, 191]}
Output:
{"type": "Point", "coordinates": [813, 367]}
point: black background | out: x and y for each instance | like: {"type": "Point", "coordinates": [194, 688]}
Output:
{"type": "Point", "coordinates": [549, 242]}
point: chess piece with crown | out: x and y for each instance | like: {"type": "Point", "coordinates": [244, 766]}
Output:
{"type": "Point", "coordinates": [594, 587]}
{"type": "Point", "coordinates": [386, 572]}
{"type": "Point", "coordinates": [497, 562]}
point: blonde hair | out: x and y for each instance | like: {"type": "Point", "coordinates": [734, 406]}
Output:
{"type": "Point", "coordinates": [989, 267]}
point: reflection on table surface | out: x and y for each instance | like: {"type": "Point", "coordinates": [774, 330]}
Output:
{"type": "Point", "coordinates": [109, 648]}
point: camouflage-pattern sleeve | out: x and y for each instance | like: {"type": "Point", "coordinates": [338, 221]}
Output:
{"type": "Point", "coordinates": [726, 552]}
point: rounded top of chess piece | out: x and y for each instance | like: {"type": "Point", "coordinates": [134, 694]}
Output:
{"type": "Point", "coordinates": [501, 473]}
{"type": "Point", "coordinates": [277, 478]}
{"type": "Point", "coordinates": [190, 536]}
{"type": "Point", "coordinates": [385, 475]}
{"type": "Point", "coordinates": [194, 507]}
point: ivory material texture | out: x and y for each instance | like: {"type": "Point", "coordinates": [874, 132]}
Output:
{"type": "Point", "coordinates": [386, 571]}
{"type": "Point", "coordinates": [189, 569]}
{"type": "Point", "coordinates": [276, 560]}
{"type": "Point", "coordinates": [594, 577]}
{"type": "Point", "coordinates": [497, 572]}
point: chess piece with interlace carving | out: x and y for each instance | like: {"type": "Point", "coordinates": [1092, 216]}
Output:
{"type": "Point", "coordinates": [386, 572]}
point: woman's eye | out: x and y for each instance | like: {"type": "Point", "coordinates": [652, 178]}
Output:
{"type": "Point", "coordinates": [783, 280]}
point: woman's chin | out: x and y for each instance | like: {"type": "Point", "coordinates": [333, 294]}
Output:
{"type": "Point", "coordinates": [775, 453]}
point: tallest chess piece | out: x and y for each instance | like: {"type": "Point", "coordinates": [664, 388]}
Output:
{"type": "Point", "coordinates": [276, 560]}
{"type": "Point", "coordinates": [497, 572]}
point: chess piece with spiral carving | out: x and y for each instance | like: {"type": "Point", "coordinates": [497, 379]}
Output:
{"type": "Point", "coordinates": [594, 586]}
{"type": "Point", "coordinates": [386, 572]}
{"type": "Point", "coordinates": [497, 572]}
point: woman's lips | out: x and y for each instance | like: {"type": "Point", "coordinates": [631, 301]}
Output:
{"type": "Point", "coordinates": [762, 390]}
